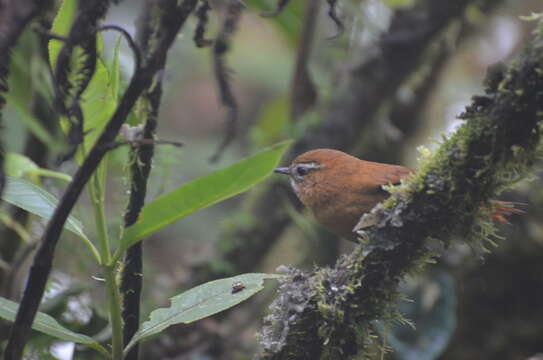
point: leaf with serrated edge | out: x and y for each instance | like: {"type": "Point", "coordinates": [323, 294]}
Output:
{"type": "Point", "coordinates": [200, 302]}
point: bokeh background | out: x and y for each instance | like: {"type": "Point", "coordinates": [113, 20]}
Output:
{"type": "Point", "coordinates": [470, 305]}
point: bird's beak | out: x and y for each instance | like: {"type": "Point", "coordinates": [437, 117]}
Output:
{"type": "Point", "coordinates": [282, 170]}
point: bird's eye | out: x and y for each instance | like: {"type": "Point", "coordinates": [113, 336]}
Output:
{"type": "Point", "coordinates": [301, 170]}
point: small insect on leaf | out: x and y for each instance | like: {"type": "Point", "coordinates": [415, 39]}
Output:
{"type": "Point", "coordinates": [237, 286]}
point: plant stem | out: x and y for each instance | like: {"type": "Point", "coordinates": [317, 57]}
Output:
{"type": "Point", "coordinates": [114, 302]}
{"type": "Point", "coordinates": [96, 189]}
{"type": "Point", "coordinates": [97, 196]}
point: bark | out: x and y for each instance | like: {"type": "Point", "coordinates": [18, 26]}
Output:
{"type": "Point", "coordinates": [328, 313]}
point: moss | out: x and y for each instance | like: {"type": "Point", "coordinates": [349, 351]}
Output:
{"type": "Point", "coordinates": [448, 198]}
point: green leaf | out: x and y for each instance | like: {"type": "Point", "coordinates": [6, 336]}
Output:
{"type": "Point", "coordinates": [202, 192]}
{"type": "Point", "coordinates": [48, 325]}
{"type": "Point", "coordinates": [18, 165]}
{"type": "Point", "coordinates": [288, 22]}
{"type": "Point", "coordinates": [61, 26]}
{"type": "Point", "coordinates": [272, 124]}
{"type": "Point", "coordinates": [98, 103]}
{"type": "Point", "coordinates": [200, 302]}
{"type": "Point", "coordinates": [37, 201]}
{"type": "Point", "coordinates": [115, 70]}
{"type": "Point", "coordinates": [30, 121]}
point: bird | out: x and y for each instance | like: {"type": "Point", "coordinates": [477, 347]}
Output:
{"type": "Point", "coordinates": [339, 188]}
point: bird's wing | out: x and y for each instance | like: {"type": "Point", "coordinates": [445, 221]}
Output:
{"type": "Point", "coordinates": [395, 173]}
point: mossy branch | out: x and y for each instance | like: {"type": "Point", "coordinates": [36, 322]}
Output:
{"type": "Point", "coordinates": [148, 33]}
{"type": "Point", "coordinates": [399, 53]}
{"type": "Point", "coordinates": [328, 313]}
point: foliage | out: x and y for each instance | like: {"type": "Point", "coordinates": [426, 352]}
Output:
{"type": "Point", "coordinates": [97, 102]}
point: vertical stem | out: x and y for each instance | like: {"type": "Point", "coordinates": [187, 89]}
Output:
{"type": "Point", "coordinates": [113, 296]}
{"type": "Point", "coordinates": [97, 197]}
{"type": "Point", "coordinates": [43, 261]}
{"type": "Point", "coordinates": [114, 301]}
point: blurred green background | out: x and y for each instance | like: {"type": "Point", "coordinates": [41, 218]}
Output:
{"type": "Point", "coordinates": [479, 308]}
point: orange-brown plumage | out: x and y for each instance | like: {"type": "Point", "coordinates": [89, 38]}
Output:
{"type": "Point", "coordinates": [340, 188]}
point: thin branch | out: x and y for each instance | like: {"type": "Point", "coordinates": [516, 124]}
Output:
{"type": "Point", "coordinates": [141, 157]}
{"type": "Point", "coordinates": [303, 91]}
{"type": "Point", "coordinates": [14, 17]}
{"type": "Point", "coordinates": [329, 313]}
{"type": "Point", "coordinates": [333, 15]}
{"type": "Point", "coordinates": [41, 267]}
{"type": "Point", "coordinates": [280, 6]}
{"type": "Point", "coordinates": [131, 43]}
{"type": "Point", "coordinates": [68, 90]}
{"type": "Point", "coordinates": [199, 33]}
{"type": "Point", "coordinates": [232, 16]}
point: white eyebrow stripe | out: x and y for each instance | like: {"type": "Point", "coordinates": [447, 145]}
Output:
{"type": "Point", "coordinates": [309, 165]}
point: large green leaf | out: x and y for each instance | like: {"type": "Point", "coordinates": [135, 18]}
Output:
{"type": "Point", "coordinates": [37, 201]}
{"type": "Point", "coordinates": [48, 325]}
{"type": "Point", "coordinates": [98, 103]}
{"type": "Point", "coordinates": [201, 302]}
{"type": "Point", "coordinates": [115, 70]}
{"type": "Point", "coordinates": [202, 192]}
{"type": "Point", "coordinates": [61, 26]}
{"type": "Point", "coordinates": [18, 165]}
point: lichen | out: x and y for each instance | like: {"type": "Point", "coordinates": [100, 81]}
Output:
{"type": "Point", "coordinates": [448, 198]}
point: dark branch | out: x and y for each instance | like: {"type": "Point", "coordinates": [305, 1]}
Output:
{"type": "Point", "coordinates": [371, 85]}
{"type": "Point", "coordinates": [334, 308]}
{"type": "Point", "coordinates": [131, 43]}
{"type": "Point", "coordinates": [304, 95]}
{"type": "Point", "coordinates": [199, 34]}
{"type": "Point", "coordinates": [280, 6]}
{"type": "Point", "coordinates": [14, 16]}
{"type": "Point", "coordinates": [149, 30]}
{"type": "Point", "coordinates": [39, 272]}
{"type": "Point", "coordinates": [232, 17]}
{"type": "Point", "coordinates": [332, 14]}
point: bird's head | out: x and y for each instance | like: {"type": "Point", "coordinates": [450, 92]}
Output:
{"type": "Point", "coordinates": [315, 172]}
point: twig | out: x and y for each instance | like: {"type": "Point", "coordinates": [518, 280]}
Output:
{"type": "Point", "coordinates": [41, 267]}
{"type": "Point", "coordinates": [332, 14]}
{"type": "Point", "coordinates": [131, 43]}
{"type": "Point", "coordinates": [232, 17]}
{"type": "Point", "coordinates": [14, 16]}
{"type": "Point", "coordinates": [280, 6]}
{"type": "Point", "coordinates": [303, 92]}
{"type": "Point", "coordinates": [199, 33]}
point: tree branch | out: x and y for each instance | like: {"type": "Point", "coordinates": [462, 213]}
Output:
{"type": "Point", "coordinates": [400, 53]}
{"type": "Point", "coordinates": [14, 16]}
{"type": "Point", "coordinates": [303, 94]}
{"type": "Point", "coordinates": [39, 272]}
{"type": "Point", "coordinates": [328, 313]}
{"type": "Point", "coordinates": [132, 275]}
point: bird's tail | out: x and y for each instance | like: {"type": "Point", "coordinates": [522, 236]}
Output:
{"type": "Point", "coordinates": [501, 210]}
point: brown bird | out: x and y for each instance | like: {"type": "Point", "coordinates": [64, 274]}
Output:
{"type": "Point", "coordinates": [339, 188]}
